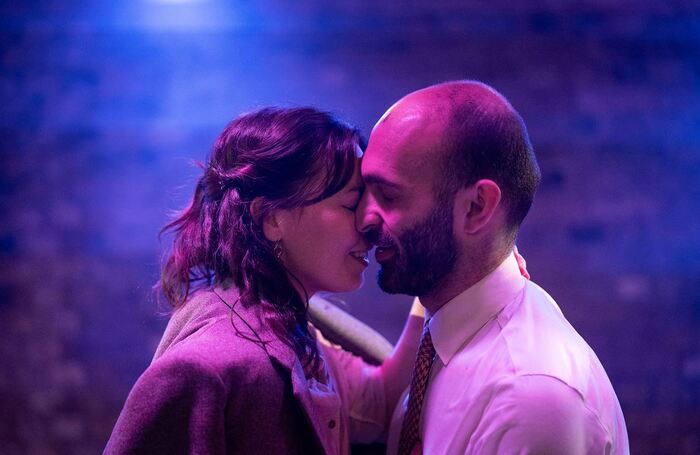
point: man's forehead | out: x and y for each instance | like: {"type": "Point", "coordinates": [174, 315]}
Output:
{"type": "Point", "coordinates": [405, 156]}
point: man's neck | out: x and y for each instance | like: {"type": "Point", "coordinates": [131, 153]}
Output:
{"type": "Point", "coordinates": [465, 275]}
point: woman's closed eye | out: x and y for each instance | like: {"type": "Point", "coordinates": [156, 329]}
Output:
{"type": "Point", "coordinates": [352, 207]}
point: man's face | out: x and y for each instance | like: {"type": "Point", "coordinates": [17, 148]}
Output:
{"type": "Point", "coordinates": [399, 212]}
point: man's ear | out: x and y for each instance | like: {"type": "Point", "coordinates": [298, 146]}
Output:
{"type": "Point", "coordinates": [270, 222]}
{"type": "Point", "coordinates": [477, 205]}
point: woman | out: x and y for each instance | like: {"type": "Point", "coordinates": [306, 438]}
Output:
{"type": "Point", "coordinates": [239, 369]}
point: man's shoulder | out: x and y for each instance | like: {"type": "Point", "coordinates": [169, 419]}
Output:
{"type": "Point", "coordinates": [540, 341]}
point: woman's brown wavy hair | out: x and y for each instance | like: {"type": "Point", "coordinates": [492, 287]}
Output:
{"type": "Point", "coordinates": [287, 157]}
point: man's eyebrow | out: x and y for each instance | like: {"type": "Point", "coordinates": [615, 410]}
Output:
{"type": "Point", "coordinates": [377, 180]}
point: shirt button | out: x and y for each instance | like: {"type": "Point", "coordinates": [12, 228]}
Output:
{"type": "Point", "coordinates": [331, 424]}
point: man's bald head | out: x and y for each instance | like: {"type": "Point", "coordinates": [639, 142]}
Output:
{"type": "Point", "coordinates": [481, 136]}
{"type": "Point", "coordinates": [438, 103]}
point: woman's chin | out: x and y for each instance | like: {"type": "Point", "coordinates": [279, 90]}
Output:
{"type": "Point", "coordinates": [356, 284]}
{"type": "Point", "coordinates": [347, 286]}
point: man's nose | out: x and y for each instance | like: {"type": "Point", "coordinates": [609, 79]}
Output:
{"type": "Point", "coordinates": [366, 216]}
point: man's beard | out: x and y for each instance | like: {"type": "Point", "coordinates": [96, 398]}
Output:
{"type": "Point", "coordinates": [428, 254]}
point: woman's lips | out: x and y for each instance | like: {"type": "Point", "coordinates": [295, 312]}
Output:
{"type": "Point", "coordinates": [361, 256]}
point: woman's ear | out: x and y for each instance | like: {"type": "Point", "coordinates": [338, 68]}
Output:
{"type": "Point", "coordinates": [477, 205]}
{"type": "Point", "coordinates": [270, 222]}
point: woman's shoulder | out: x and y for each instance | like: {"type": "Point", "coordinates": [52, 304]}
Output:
{"type": "Point", "coordinates": [213, 338]}
{"type": "Point", "coordinates": [206, 311]}
{"type": "Point", "coordinates": [219, 341]}
{"type": "Point", "coordinates": [217, 360]}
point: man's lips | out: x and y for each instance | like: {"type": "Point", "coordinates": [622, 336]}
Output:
{"type": "Point", "coordinates": [384, 253]}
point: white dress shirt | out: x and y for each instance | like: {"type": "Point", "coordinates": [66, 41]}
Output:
{"type": "Point", "coordinates": [511, 375]}
{"type": "Point", "coordinates": [361, 390]}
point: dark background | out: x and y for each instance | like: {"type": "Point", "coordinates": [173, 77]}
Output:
{"type": "Point", "coordinates": [104, 105]}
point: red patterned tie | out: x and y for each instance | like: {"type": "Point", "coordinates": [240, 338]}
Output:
{"type": "Point", "coordinates": [410, 430]}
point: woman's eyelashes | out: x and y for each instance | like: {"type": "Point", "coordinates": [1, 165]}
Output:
{"type": "Point", "coordinates": [353, 206]}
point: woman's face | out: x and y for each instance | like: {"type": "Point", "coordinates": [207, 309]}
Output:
{"type": "Point", "coordinates": [321, 246]}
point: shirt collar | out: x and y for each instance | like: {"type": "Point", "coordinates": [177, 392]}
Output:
{"type": "Point", "coordinates": [457, 321]}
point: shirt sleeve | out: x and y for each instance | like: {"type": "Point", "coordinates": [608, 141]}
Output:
{"type": "Point", "coordinates": [539, 414]}
{"type": "Point", "coordinates": [176, 406]}
{"type": "Point", "coordinates": [361, 390]}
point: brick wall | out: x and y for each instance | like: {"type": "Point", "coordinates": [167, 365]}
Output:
{"type": "Point", "coordinates": [104, 107]}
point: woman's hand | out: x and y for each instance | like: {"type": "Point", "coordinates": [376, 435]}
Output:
{"type": "Point", "coordinates": [521, 263]}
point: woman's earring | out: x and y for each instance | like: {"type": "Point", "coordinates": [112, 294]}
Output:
{"type": "Point", "coordinates": [277, 250]}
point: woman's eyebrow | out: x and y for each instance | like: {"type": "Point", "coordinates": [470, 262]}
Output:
{"type": "Point", "coordinates": [357, 188]}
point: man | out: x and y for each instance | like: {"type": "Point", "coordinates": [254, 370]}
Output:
{"type": "Point", "coordinates": [450, 175]}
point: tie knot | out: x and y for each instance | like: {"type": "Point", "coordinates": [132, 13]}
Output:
{"type": "Point", "coordinates": [426, 328]}
{"type": "Point", "coordinates": [426, 347]}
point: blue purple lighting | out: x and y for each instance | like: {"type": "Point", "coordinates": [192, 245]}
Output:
{"type": "Point", "coordinates": [106, 106]}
